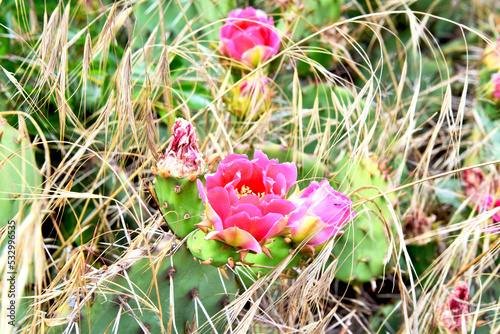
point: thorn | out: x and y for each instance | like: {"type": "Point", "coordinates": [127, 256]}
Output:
{"type": "Point", "coordinates": [192, 177]}
{"type": "Point", "coordinates": [195, 258]}
{"type": "Point", "coordinates": [365, 260]}
{"type": "Point", "coordinates": [288, 240]}
{"type": "Point", "coordinates": [194, 293]}
{"type": "Point", "coordinates": [207, 262]}
{"type": "Point", "coordinates": [247, 263]}
{"type": "Point", "coordinates": [212, 159]}
{"type": "Point", "coordinates": [225, 247]}
{"type": "Point", "coordinates": [223, 272]}
{"type": "Point", "coordinates": [164, 173]}
{"type": "Point", "coordinates": [204, 225]}
{"type": "Point", "coordinates": [267, 251]}
{"type": "Point", "coordinates": [374, 284]}
{"type": "Point", "coordinates": [186, 216]}
{"type": "Point", "coordinates": [164, 204]}
{"type": "Point", "coordinates": [154, 170]}
{"type": "Point", "coordinates": [177, 189]}
{"type": "Point", "coordinates": [1, 134]}
{"type": "Point", "coordinates": [243, 256]}
{"type": "Point", "coordinates": [231, 263]}
{"type": "Point", "coordinates": [363, 228]}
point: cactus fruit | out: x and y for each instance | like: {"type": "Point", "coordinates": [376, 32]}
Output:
{"type": "Point", "coordinates": [175, 183]}
{"type": "Point", "coordinates": [362, 251]}
{"type": "Point", "coordinates": [20, 176]}
{"type": "Point", "coordinates": [123, 298]}
{"type": "Point", "coordinates": [212, 252]}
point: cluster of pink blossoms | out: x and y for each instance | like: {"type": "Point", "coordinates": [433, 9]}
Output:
{"type": "Point", "coordinates": [246, 205]}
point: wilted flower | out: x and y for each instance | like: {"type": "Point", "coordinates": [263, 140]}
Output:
{"type": "Point", "coordinates": [321, 213]}
{"type": "Point", "coordinates": [454, 313]}
{"type": "Point", "coordinates": [249, 36]}
{"type": "Point", "coordinates": [492, 55]}
{"type": "Point", "coordinates": [182, 157]}
{"type": "Point", "coordinates": [417, 223]}
{"type": "Point", "coordinates": [245, 203]}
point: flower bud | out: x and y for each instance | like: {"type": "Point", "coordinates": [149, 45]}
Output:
{"type": "Point", "coordinates": [182, 157]}
{"type": "Point", "coordinates": [321, 213]}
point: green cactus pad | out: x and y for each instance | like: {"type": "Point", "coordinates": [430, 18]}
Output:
{"type": "Point", "coordinates": [20, 176]}
{"type": "Point", "coordinates": [204, 250]}
{"type": "Point", "coordinates": [279, 250]}
{"type": "Point", "coordinates": [115, 301]}
{"type": "Point", "coordinates": [180, 203]}
{"type": "Point", "coordinates": [362, 250]}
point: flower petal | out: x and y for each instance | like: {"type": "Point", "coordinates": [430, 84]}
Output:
{"type": "Point", "coordinates": [236, 237]}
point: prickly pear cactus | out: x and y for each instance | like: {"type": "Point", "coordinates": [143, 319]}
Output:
{"type": "Point", "coordinates": [123, 298]}
{"type": "Point", "coordinates": [20, 176]}
{"type": "Point", "coordinates": [212, 252]}
{"type": "Point", "coordinates": [180, 203]}
{"type": "Point", "coordinates": [261, 264]}
{"type": "Point", "coordinates": [176, 174]}
{"type": "Point", "coordinates": [362, 251]}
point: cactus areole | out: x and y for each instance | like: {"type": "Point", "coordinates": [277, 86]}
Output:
{"type": "Point", "coordinates": [176, 173]}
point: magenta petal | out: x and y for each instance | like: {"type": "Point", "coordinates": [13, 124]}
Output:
{"type": "Point", "coordinates": [323, 235]}
{"type": "Point", "coordinates": [236, 237]}
{"type": "Point", "coordinates": [281, 206]}
{"type": "Point", "coordinates": [250, 199]}
{"type": "Point", "coordinates": [243, 42]}
{"type": "Point", "coordinates": [202, 190]}
{"type": "Point", "coordinates": [295, 216]}
{"type": "Point", "coordinates": [278, 225]}
{"type": "Point", "coordinates": [260, 158]}
{"type": "Point", "coordinates": [287, 169]}
{"type": "Point", "coordinates": [228, 49]}
{"type": "Point", "coordinates": [219, 201]}
{"type": "Point", "coordinates": [249, 209]}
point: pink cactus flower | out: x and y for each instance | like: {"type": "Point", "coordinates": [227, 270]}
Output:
{"type": "Point", "coordinates": [245, 203]}
{"type": "Point", "coordinates": [454, 313]}
{"type": "Point", "coordinates": [321, 213]}
{"type": "Point", "coordinates": [249, 36]}
{"type": "Point", "coordinates": [182, 157]}
{"type": "Point", "coordinates": [495, 80]}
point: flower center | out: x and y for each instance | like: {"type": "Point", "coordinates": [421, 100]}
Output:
{"type": "Point", "coordinates": [245, 190]}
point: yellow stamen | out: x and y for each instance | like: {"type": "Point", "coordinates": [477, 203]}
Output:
{"type": "Point", "coordinates": [245, 190]}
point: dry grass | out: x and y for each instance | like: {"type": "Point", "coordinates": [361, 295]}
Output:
{"type": "Point", "coordinates": [97, 167]}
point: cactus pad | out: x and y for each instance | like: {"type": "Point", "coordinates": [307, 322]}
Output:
{"type": "Point", "coordinates": [364, 247]}
{"type": "Point", "coordinates": [211, 252]}
{"type": "Point", "coordinates": [20, 176]}
{"type": "Point", "coordinates": [180, 203]}
{"type": "Point", "coordinates": [125, 297]}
